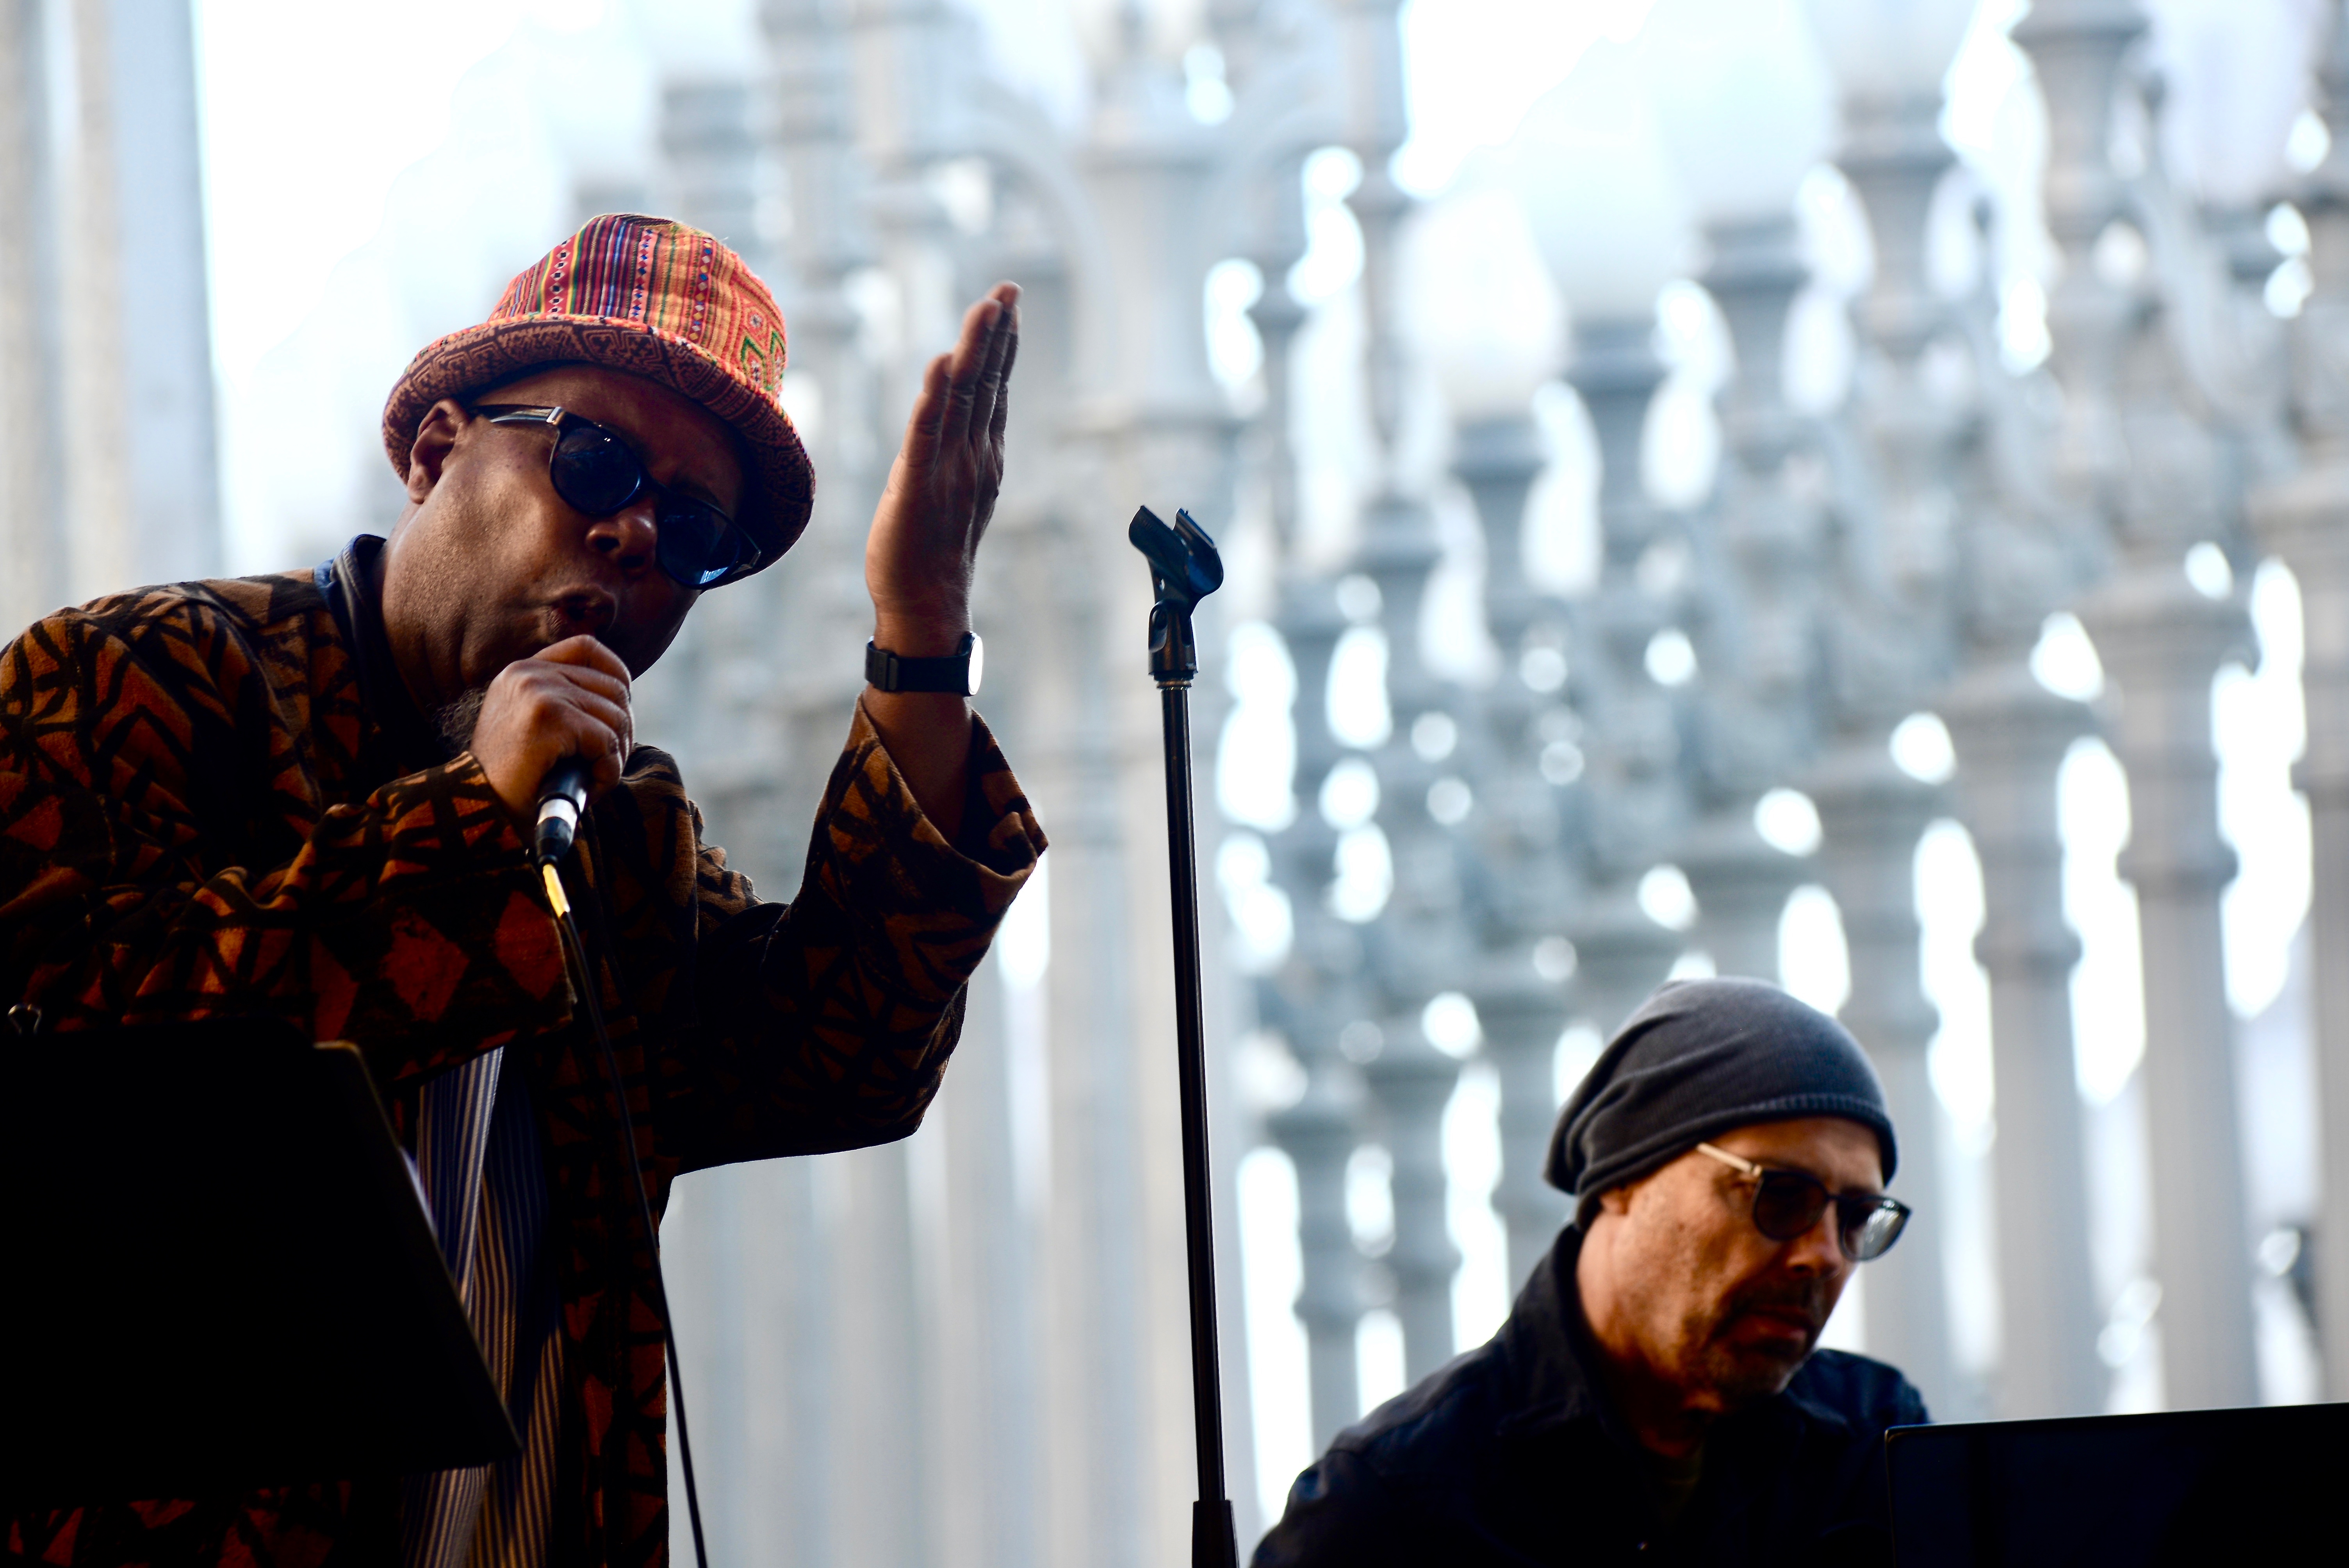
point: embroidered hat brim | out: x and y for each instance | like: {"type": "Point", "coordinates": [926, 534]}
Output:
{"type": "Point", "coordinates": [670, 303]}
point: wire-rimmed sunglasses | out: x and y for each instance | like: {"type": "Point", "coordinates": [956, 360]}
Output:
{"type": "Point", "coordinates": [1787, 1203]}
{"type": "Point", "coordinates": [598, 472]}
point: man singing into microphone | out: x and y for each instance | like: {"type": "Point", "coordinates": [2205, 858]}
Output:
{"type": "Point", "coordinates": [309, 795]}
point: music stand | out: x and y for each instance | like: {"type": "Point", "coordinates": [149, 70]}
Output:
{"type": "Point", "coordinates": [223, 1276]}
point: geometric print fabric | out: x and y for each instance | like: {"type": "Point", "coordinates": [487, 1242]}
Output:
{"type": "Point", "coordinates": [196, 821]}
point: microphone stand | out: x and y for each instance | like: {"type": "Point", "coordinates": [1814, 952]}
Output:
{"type": "Point", "coordinates": [1183, 570]}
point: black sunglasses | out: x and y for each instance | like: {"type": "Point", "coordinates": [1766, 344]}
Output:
{"type": "Point", "coordinates": [597, 471]}
{"type": "Point", "coordinates": [1787, 1203]}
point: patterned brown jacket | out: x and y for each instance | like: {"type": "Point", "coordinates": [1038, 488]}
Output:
{"type": "Point", "coordinates": [205, 810]}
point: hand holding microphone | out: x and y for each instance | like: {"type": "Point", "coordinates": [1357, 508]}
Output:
{"type": "Point", "coordinates": [555, 731]}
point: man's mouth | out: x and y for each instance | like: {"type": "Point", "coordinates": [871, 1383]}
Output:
{"type": "Point", "coordinates": [577, 610]}
{"type": "Point", "coordinates": [1800, 1320]}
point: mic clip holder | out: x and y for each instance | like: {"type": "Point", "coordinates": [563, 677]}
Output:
{"type": "Point", "coordinates": [1184, 569]}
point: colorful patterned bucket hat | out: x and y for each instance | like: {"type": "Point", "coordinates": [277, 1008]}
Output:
{"type": "Point", "coordinates": [657, 299]}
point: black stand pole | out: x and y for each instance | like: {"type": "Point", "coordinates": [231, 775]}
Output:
{"type": "Point", "coordinates": [1185, 569]}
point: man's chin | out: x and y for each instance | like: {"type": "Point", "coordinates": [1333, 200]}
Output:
{"type": "Point", "coordinates": [456, 721]}
{"type": "Point", "coordinates": [1759, 1357]}
{"type": "Point", "coordinates": [1745, 1380]}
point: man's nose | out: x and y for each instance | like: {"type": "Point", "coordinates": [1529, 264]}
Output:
{"type": "Point", "coordinates": [627, 536]}
{"type": "Point", "coordinates": [1820, 1250]}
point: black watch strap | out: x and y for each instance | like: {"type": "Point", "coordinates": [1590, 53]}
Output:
{"type": "Point", "coordinates": [957, 673]}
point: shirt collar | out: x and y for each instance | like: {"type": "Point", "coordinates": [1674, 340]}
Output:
{"type": "Point", "coordinates": [1551, 1358]}
{"type": "Point", "coordinates": [349, 582]}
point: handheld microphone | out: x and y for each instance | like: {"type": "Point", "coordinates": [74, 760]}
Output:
{"type": "Point", "coordinates": [561, 799]}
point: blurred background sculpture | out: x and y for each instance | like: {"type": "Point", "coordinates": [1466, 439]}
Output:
{"type": "Point", "coordinates": [1834, 475]}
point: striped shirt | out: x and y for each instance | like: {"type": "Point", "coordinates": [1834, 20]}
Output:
{"type": "Point", "coordinates": [477, 1153]}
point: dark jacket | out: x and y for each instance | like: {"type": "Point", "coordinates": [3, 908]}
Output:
{"type": "Point", "coordinates": [1512, 1455]}
{"type": "Point", "coordinates": [216, 799]}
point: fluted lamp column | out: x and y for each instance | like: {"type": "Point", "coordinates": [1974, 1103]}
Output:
{"type": "Point", "coordinates": [1489, 320]}
{"type": "Point", "coordinates": [1586, 160]}
{"type": "Point", "coordinates": [2305, 520]}
{"type": "Point", "coordinates": [1747, 109]}
{"type": "Point", "coordinates": [1407, 1075]}
{"type": "Point", "coordinates": [2162, 640]}
{"type": "Point", "coordinates": [1530, 891]}
{"type": "Point", "coordinates": [2010, 734]}
{"type": "Point", "coordinates": [1414, 935]}
{"type": "Point", "coordinates": [1888, 57]}
{"type": "Point", "coordinates": [2234, 79]}
{"type": "Point", "coordinates": [1309, 1001]}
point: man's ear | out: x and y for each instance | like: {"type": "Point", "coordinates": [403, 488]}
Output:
{"type": "Point", "coordinates": [435, 437]}
{"type": "Point", "coordinates": [1616, 1201]}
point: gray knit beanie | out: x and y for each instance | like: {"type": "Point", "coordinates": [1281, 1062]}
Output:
{"type": "Point", "coordinates": [1699, 1059]}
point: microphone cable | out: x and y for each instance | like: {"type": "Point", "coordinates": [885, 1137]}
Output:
{"type": "Point", "coordinates": [574, 955]}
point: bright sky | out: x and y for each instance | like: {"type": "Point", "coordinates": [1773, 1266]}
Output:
{"type": "Point", "coordinates": [309, 111]}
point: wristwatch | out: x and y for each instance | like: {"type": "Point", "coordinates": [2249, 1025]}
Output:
{"type": "Point", "coordinates": [957, 673]}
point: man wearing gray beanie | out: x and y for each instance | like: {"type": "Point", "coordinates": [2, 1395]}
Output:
{"type": "Point", "coordinates": [1655, 1395]}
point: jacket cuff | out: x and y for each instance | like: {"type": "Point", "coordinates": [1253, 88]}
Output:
{"type": "Point", "coordinates": [876, 851]}
{"type": "Point", "coordinates": [409, 947]}
{"type": "Point", "coordinates": [446, 821]}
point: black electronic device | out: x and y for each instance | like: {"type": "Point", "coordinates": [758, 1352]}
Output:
{"type": "Point", "coordinates": [2184, 1487]}
{"type": "Point", "coordinates": [220, 1272]}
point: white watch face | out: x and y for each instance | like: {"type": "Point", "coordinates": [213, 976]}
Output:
{"type": "Point", "coordinates": [977, 659]}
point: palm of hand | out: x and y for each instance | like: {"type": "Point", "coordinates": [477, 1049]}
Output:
{"type": "Point", "coordinates": [919, 557]}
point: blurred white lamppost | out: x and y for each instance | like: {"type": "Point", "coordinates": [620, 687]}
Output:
{"type": "Point", "coordinates": [2076, 47]}
{"type": "Point", "coordinates": [1888, 56]}
{"type": "Point", "coordinates": [1746, 111]}
{"type": "Point", "coordinates": [2012, 734]}
{"type": "Point", "coordinates": [1312, 999]}
{"type": "Point", "coordinates": [2305, 520]}
{"type": "Point", "coordinates": [32, 512]}
{"type": "Point", "coordinates": [2233, 76]}
{"type": "Point", "coordinates": [1613, 226]}
{"type": "Point", "coordinates": [1408, 1076]}
{"type": "Point", "coordinates": [1488, 319]}
{"type": "Point", "coordinates": [2162, 640]}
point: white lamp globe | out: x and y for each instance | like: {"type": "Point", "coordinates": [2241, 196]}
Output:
{"type": "Point", "coordinates": [1743, 100]}
{"type": "Point", "coordinates": [1890, 48]}
{"type": "Point", "coordinates": [1483, 309]}
{"type": "Point", "coordinates": [1604, 203]}
{"type": "Point", "coordinates": [1163, 29]}
{"type": "Point", "coordinates": [2237, 74]}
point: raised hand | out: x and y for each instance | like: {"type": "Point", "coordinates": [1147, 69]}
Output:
{"type": "Point", "coordinates": [924, 546]}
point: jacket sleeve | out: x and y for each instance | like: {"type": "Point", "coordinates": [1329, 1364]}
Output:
{"type": "Point", "coordinates": [1342, 1514]}
{"type": "Point", "coordinates": [144, 745]}
{"type": "Point", "coordinates": [825, 1024]}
